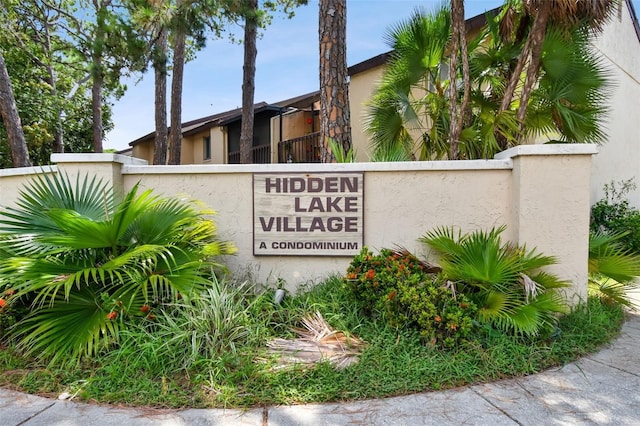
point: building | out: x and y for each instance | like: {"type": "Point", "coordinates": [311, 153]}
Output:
{"type": "Point", "coordinates": [286, 131]}
{"type": "Point", "coordinates": [283, 131]}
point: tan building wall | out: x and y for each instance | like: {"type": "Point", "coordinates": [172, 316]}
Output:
{"type": "Point", "coordinates": [541, 192]}
{"type": "Point", "coordinates": [144, 151]}
{"type": "Point", "coordinates": [361, 88]}
{"type": "Point", "coordinates": [192, 149]}
{"type": "Point", "coordinates": [196, 148]}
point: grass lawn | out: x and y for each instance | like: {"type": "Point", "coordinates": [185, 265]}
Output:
{"type": "Point", "coordinates": [147, 369]}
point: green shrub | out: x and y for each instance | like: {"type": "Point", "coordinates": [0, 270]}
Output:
{"type": "Point", "coordinates": [614, 215]}
{"type": "Point", "coordinates": [397, 287]}
{"type": "Point", "coordinates": [505, 281]}
{"type": "Point", "coordinates": [88, 260]}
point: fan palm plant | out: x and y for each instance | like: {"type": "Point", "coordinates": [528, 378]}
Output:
{"type": "Point", "coordinates": [410, 101]}
{"type": "Point", "coordinates": [410, 108]}
{"type": "Point", "coordinates": [613, 269]}
{"type": "Point", "coordinates": [88, 260]}
{"type": "Point", "coordinates": [504, 280]}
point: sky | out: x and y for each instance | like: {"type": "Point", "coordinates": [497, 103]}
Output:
{"type": "Point", "coordinates": [286, 65]}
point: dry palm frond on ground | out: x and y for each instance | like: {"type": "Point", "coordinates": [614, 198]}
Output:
{"type": "Point", "coordinates": [317, 342]}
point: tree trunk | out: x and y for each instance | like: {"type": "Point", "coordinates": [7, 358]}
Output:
{"type": "Point", "coordinates": [458, 114]}
{"type": "Point", "coordinates": [96, 109]}
{"type": "Point", "coordinates": [175, 141]}
{"type": "Point", "coordinates": [97, 50]}
{"type": "Point", "coordinates": [160, 72]}
{"type": "Point", "coordinates": [248, 81]}
{"type": "Point", "coordinates": [537, 34]}
{"type": "Point", "coordinates": [17, 142]}
{"type": "Point", "coordinates": [58, 137]}
{"type": "Point", "coordinates": [465, 109]}
{"type": "Point", "coordinates": [334, 89]}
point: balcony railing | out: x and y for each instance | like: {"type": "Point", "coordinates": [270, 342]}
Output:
{"type": "Point", "coordinates": [261, 154]}
{"type": "Point", "coordinates": [305, 149]}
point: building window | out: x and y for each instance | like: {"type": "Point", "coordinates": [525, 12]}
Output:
{"type": "Point", "coordinates": [206, 148]}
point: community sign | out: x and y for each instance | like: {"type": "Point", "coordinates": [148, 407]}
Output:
{"type": "Point", "coordinates": [308, 214]}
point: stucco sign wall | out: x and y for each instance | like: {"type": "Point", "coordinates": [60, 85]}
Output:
{"type": "Point", "coordinates": [308, 214]}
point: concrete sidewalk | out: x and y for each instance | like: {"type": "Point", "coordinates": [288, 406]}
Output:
{"type": "Point", "coordinates": [603, 388]}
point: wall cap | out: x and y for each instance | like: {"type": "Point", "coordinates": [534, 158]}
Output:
{"type": "Point", "coordinates": [548, 149]}
{"type": "Point", "coordinates": [107, 157]}
{"type": "Point", "coordinates": [22, 171]}
{"type": "Point", "coordinates": [502, 164]}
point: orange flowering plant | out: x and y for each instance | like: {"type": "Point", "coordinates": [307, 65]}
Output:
{"type": "Point", "coordinates": [397, 286]}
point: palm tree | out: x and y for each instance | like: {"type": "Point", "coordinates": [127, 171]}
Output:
{"type": "Point", "coordinates": [458, 116]}
{"type": "Point", "coordinates": [415, 105]}
{"type": "Point", "coordinates": [335, 122]}
{"type": "Point", "coordinates": [564, 15]}
{"type": "Point", "coordinates": [88, 260]}
{"type": "Point", "coordinates": [410, 104]}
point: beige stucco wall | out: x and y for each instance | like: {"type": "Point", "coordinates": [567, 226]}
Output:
{"type": "Point", "coordinates": [541, 192]}
{"type": "Point", "coordinates": [11, 181]}
{"type": "Point", "coordinates": [550, 212]}
{"type": "Point", "coordinates": [391, 216]}
{"type": "Point", "coordinates": [619, 157]}
{"type": "Point", "coordinates": [361, 88]}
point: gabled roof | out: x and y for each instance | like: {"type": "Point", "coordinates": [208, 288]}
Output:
{"type": "Point", "coordinates": [300, 102]}
{"type": "Point", "coordinates": [189, 126]}
{"type": "Point", "coordinates": [226, 117]}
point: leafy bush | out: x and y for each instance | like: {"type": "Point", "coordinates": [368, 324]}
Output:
{"type": "Point", "coordinates": [89, 260]}
{"type": "Point", "coordinates": [504, 280]}
{"type": "Point", "coordinates": [614, 215]}
{"type": "Point", "coordinates": [613, 269]}
{"type": "Point", "coordinates": [397, 286]}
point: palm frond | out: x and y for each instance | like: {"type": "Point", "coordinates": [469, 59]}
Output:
{"type": "Point", "coordinates": [503, 279]}
{"type": "Point", "coordinates": [611, 259]}
{"type": "Point", "coordinates": [69, 329]}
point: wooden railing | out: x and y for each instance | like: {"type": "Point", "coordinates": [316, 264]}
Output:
{"type": "Point", "coordinates": [305, 149]}
{"type": "Point", "coordinates": [261, 154]}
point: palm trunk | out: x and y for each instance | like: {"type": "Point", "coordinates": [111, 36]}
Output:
{"type": "Point", "coordinates": [454, 115]}
{"type": "Point", "coordinates": [248, 82]}
{"type": "Point", "coordinates": [465, 109]}
{"type": "Point", "coordinates": [11, 118]}
{"type": "Point", "coordinates": [175, 142]}
{"type": "Point", "coordinates": [334, 89]}
{"type": "Point", "coordinates": [536, 35]}
{"type": "Point", "coordinates": [160, 72]}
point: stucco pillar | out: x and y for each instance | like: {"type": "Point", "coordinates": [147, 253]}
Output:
{"type": "Point", "coordinates": [107, 167]}
{"type": "Point", "coordinates": [551, 188]}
